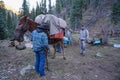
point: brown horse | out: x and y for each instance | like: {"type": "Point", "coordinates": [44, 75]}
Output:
{"type": "Point", "coordinates": [26, 24]}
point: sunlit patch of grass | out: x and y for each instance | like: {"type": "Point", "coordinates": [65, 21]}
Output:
{"type": "Point", "coordinates": [75, 37]}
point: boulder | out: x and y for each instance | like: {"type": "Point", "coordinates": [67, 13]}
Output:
{"type": "Point", "coordinates": [20, 47]}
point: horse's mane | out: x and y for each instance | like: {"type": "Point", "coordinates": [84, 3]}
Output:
{"type": "Point", "coordinates": [32, 24]}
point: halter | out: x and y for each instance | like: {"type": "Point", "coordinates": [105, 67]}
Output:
{"type": "Point", "coordinates": [22, 30]}
{"type": "Point", "coordinates": [24, 26]}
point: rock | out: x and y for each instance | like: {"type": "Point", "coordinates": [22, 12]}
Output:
{"type": "Point", "coordinates": [53, 77]}
{"type": "Point", "coordinates": [23, 70]}
{"type": "Point", "coordinates": [116, 45]}
{"type": "Point", "coordinates": [20, 47]}
{"type": "Point", "coordinates": [105, 47]}
{"type": "Point", "coordinates": [28, 45]}
{"type": "Point", "coordinates": [4, 78]}
{"type": "Point", "coordinates": [96, 76]}
{"type": "Point", "coordinates": [67, 74]}
{"type": "Point", "coordinates": [99, 54]}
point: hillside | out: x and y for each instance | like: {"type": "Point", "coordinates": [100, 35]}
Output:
{"type": "Point", "coordinates": [96, 14]}
{"type": "Point", "coordinates": [95, 18]}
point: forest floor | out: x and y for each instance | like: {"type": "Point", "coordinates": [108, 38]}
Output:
{"type": "Point", "coordinates": [106, 66]}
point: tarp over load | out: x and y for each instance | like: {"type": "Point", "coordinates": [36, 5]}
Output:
{"type": "Point", "coordinates": [56, 24]}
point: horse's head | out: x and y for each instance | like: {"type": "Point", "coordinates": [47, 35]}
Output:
{"type": "Point", "coordinates": [24, 25]}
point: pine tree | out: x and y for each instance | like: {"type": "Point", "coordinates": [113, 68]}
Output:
{"type": "Point", "coordinates": [2, 21]}
{"type": "Point", "coordinates": [9, 24]}
{"type": "Point", "coordinates": [14, 19]}
{"type": "Point", "coordinates": [9, 20]}
{"type": "Point", "coordinates": [50, 7]}
{"type": "Point", "coordinates": [58, 6]}
{"type": "Point", "coordinates": [86, 3]}
{"type": "Point", "coordinates": [33, 14]}
{"type": "Point", "coordinates": [65, 3]}
{"type": "Point", "coordinates": [39, 9]}
{"type": "Point", "coordinates": [76, 13]}
{"type": "Point", "coordinates": [25, 8]}
{"type": "Point", "coordinates": [116, 12]}
{"type": "Point", "coordinates": [43, 7]}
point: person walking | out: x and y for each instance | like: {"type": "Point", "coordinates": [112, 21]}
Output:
{"type": "Point", "coordinates": [40, 45]}
{"type": "Point", "coordinates": [84, 35]}
{"type": "Point", "coordinates": [69, 35]}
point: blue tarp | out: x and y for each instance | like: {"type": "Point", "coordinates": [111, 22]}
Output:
{"type": "Point", "coordinates": [116, 45]}
{"type": "Point", "coordinates": [65, 40]}
{"type": "Point", "coordinates": [97, 42]}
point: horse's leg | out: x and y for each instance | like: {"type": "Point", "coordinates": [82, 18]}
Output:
{"type": "Point", "coordinates": [54, 51]}
{"type": "Point", "coordinates": [62, 45]}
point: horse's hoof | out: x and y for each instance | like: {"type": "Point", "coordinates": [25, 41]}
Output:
{"type": "Point", "coordinates": [49, 70]}
{"type": "Point", "coordinates": [64, 58]}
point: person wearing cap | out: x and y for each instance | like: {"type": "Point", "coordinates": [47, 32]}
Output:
{"type": "Point", "coordinates": [40, 44]}
{"type": "Point", "coordinates": [84, 35]}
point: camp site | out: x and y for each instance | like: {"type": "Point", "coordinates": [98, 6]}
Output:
{"type": "Point", "coordinates": [60, 40]}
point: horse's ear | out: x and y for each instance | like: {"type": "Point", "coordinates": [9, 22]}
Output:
{"type": "Point", "coordinates": [25, 17]}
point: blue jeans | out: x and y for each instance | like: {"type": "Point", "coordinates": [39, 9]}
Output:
{"type": "Point", "coordinates": [58, 48]}
{"type": "Point", "coordinates": [70, 38]}
{"type": "Point", "coordinates": [40, 62]}
{"type": "Point", "coordinates": [83, 46]}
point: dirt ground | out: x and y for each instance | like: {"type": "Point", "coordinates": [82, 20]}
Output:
{"type": "Point", "coordinates": [75, 67]}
